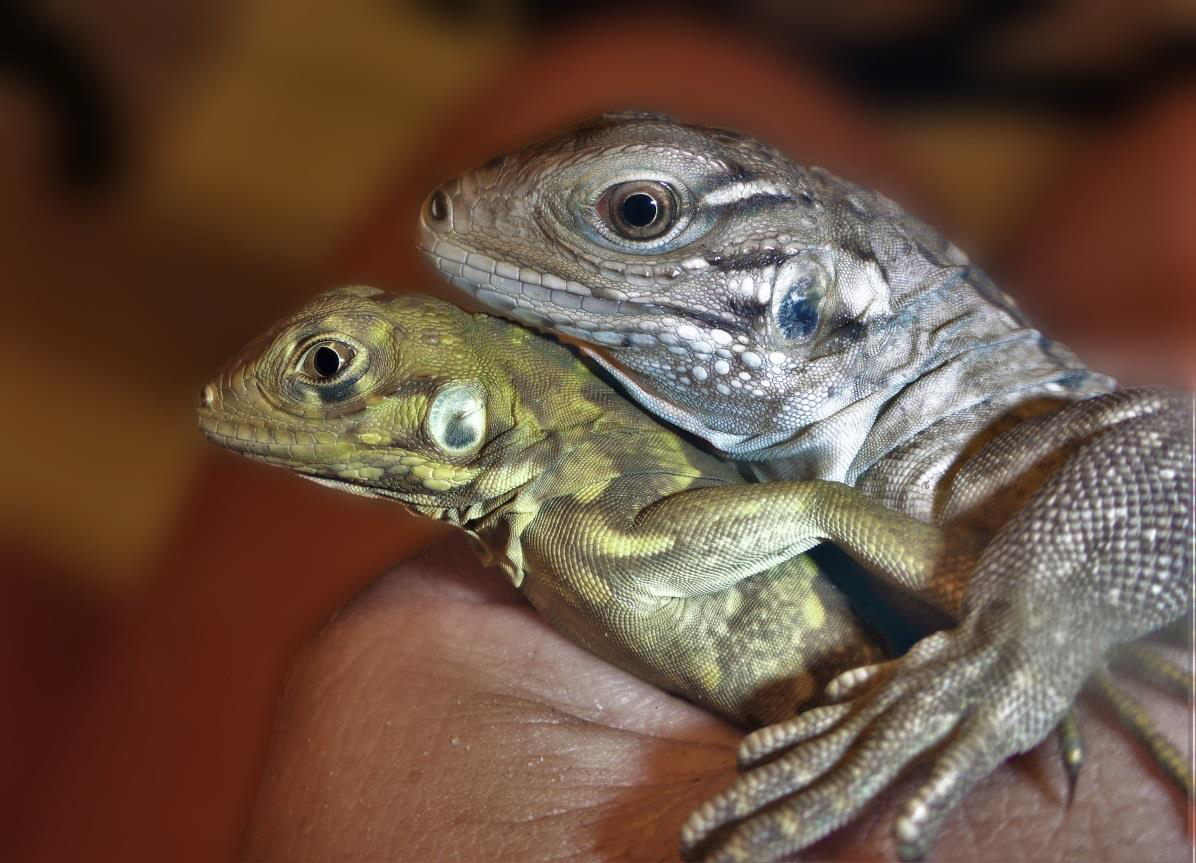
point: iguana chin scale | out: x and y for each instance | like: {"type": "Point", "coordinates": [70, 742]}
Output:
{"type": "Point", "coordinates": [816, 330]}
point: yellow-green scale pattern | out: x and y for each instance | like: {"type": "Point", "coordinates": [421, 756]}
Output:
{"type": "Point", "coordinates": [626, 538]}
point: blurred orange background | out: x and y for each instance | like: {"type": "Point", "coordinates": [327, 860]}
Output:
{"type": "Point", "coordinates": [238, 157]}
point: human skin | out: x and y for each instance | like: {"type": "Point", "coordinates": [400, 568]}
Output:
{"type": "Point", "coordinates": [557, 755]}
{"type": "Point", "coordinates": [437, 717]}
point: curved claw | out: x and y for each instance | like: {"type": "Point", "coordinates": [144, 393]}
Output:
{"type": "Point", "coordinates": [1131, 714]}
{"type": "Point", "coordinates": [1071, 750]}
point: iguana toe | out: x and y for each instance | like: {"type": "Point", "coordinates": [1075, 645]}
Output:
{"type": "Point", "coordinates": [1133, 716]}
{"type": "Point", "coordinates": [1140, 661]}
{"type": "Point", "coordinates": [958, 688]}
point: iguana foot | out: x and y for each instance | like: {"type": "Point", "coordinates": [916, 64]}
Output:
{"type": "Point", "coordinates": [983, 699]}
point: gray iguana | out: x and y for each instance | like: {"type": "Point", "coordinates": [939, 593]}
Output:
{"type": "Point", "coordinates": [815, 330]}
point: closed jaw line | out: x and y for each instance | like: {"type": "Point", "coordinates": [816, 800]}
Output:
{"type": "Point", "coordinates": [709, 359]}
{"type": "Point", "coordinates": [530, 296]}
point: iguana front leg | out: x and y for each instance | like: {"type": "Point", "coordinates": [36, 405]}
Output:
{"type": "Point", "coordinates": [730, 530]}
{"type": "Point", "coordinates": [1048, 597]}
{"type": "Point", "coordinates": [703, 584]}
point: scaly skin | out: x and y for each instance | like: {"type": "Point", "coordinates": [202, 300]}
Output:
{"type": "Point", "coordinates": [816, 330]}
{"type": "Point", "coordinates": [643, 549]}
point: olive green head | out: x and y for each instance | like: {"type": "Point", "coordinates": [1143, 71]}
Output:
{"type": "Point", "coordinates": [399, 396]}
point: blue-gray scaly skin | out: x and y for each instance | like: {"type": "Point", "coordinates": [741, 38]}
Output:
{"type": "Point", "coordinates": [815, 329]}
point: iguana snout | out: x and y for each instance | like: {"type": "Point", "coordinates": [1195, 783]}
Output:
{"type": "Point", "coordinates": [382, 392]}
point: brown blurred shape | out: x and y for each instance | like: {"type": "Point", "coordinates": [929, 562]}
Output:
{"type": "Point", "coordinates": [153, 590]}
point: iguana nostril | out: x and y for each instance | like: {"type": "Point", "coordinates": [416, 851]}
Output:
{"type": "Point", "coordinates": [439, 208]}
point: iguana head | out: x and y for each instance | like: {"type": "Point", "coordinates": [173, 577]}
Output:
{"type": "Point", "coordinates": [734, 292]}
{"type": "Point", "coordinates": [397, 396]}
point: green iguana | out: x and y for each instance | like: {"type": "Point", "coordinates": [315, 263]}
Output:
{"type": "Point", "coordinates": [636, 545]}
{"type": "Point", "coordinates": [814, 329]}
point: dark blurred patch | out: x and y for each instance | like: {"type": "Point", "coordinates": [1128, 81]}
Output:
{"type": "Point", "coordinates": [955, 57]}
{"type": "Point", "coordinates": [931, 53]}
{"type": "Point", "coordinates": [41, 57]}
{"type": "Point", "coordinates": [899, 618]}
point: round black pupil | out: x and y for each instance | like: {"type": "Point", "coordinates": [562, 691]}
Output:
{"type": "Point", "coordinates": [438, 206]}
{"type": "Point", "coordinates": [639, 209]}
{"type": "Point", "coordinates": [326, 361]}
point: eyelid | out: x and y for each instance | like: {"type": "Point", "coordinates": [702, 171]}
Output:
{"type": "Point", "coordinates": [305, 345]}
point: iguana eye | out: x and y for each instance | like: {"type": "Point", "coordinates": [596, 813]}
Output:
{"type": "Point", "coordinates": [324, 360]}
{"type": "Point", "coordinates": [456, 420]}
{"type": "Point", "coordinates": [639, 210]}
{"type": "Point", "coordinates": [333, 369]}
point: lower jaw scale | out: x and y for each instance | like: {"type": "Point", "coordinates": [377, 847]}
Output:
{"type": "Point", "coordinates": [493, 297]}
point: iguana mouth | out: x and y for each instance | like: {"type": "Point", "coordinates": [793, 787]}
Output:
{"type": "Point", "coordinates": [520, 292]}
{"type": "Point", "coordinates": [255, 441]}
